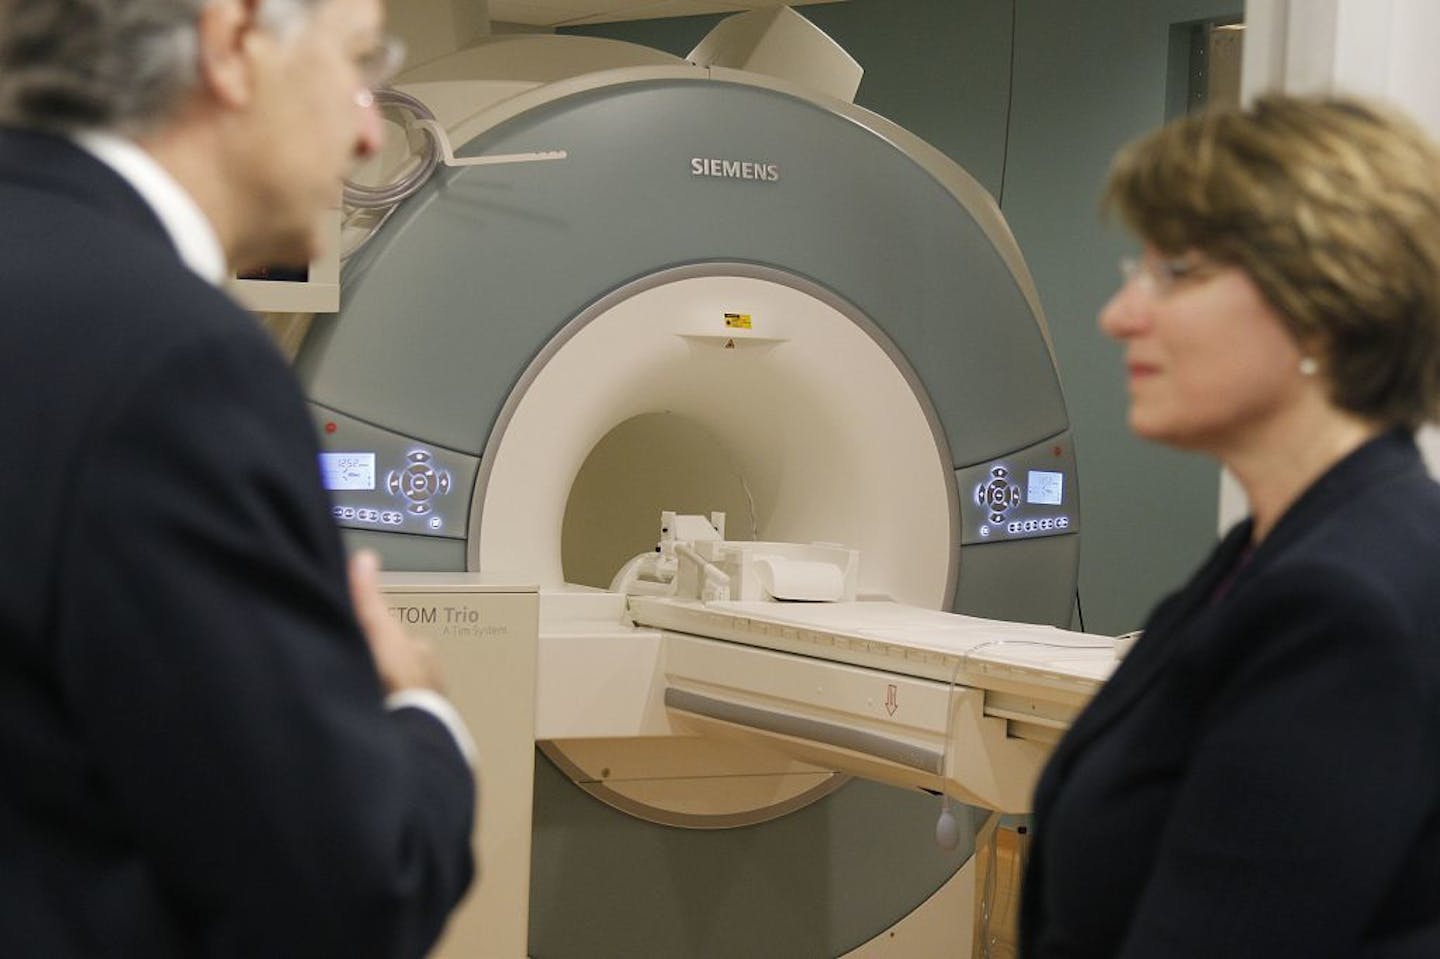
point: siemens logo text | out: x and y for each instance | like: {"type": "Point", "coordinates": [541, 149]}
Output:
{"type": "Point", "coordinates": [735, 169]}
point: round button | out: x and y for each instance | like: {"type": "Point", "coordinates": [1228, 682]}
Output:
{"type": "Point", "coordinates": [418, 482]}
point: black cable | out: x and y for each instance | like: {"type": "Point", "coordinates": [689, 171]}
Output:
{"type": "Point", "coordinates": [1009, 106]}
{"type": "Point", "coordinates": [1079, 610]}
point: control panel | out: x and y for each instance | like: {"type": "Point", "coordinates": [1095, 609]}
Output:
{"type": "Point", "coordinates": [385, 481]}
{"type": "Point", "coordinates": [1030, 492]}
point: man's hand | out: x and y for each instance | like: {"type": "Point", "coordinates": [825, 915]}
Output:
{"type": "Point", "coordinates": [403, 661]}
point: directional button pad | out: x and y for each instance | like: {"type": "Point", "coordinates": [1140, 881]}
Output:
{"type": "Point", "coordinates": [418, 481]}
{"type": "Point", "coordinates": [998, 494]}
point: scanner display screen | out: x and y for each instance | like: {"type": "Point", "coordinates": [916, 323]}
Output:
{"type": "Point", "coordinates": [1044, 487]}
{"type": "Point", "coordinates": [347, 471]}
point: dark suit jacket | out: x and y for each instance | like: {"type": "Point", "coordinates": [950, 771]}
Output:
{"type": "Point", "coordinates": [1261, 777]}
{"type": "Point", "coordinates": [194, 760]}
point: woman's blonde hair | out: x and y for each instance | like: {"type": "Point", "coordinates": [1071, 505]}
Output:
{"type": "Point", "coordinates": [1332, 207]}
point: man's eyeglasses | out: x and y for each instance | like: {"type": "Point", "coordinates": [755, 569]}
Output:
{"type": "Point", "coordinates": [1162, 276]}
{"type": "Point", "coordinates": [378, 67]}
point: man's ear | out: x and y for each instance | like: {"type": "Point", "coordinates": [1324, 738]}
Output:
{"type": "Point", "coordinates": [228, 31]}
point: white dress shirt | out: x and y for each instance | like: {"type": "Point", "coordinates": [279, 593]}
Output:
{"type": "Point", "coordinates": [185, 223]}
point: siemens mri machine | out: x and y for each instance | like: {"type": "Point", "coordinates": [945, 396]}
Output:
{"type": "Point", "coordinates": [736, 295]}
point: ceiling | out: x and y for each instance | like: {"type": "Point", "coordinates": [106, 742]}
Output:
{"type": "Point", "coordinates": [569, 13]}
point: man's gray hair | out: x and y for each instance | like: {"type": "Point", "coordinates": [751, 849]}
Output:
{"type": "Point", "coordinates": [121, 65]}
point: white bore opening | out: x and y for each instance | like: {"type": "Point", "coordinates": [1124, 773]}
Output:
{"type": "Point", "coordinates": [800, 427]}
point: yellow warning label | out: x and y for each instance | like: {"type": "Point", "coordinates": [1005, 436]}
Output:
{"type": "Point", "coordinates": [737, 321]}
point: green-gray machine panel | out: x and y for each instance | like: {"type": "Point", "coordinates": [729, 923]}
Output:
{"type": "Point", "coordinates": [466, 284]}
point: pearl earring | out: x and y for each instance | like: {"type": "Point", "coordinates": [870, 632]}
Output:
{"type": "Point", "coordinates": [1309, 366]}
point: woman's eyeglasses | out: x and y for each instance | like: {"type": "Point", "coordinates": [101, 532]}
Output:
{"type": "Point", "coordinates": [1162, 276]}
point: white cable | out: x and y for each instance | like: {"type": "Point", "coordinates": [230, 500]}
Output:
{"type": "Point", "coordinates": [947, 830]}
{"type": "Point", "coordinates": [370, 232]}
{"type": "Point", "coordinates": [987, 895]}
{"type": "Point", "coordinates": [385, 199]}
{"type": "Point", "coordinates": [750, 498]}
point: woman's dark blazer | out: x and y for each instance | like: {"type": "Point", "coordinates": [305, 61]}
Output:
{"type": "Point", "coordinates": [1261, 776]}
{"type": "Point", "coordinates": [194, 760]}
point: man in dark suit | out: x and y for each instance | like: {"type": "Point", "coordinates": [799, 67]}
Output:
{"type": "Point", "coordinates": [198, 753]}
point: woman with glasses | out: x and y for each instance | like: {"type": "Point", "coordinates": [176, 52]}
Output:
{"type": "Point", "coordinates": [1261, 777]}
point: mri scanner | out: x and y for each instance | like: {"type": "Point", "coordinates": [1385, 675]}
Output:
{"type": "Point", "coordinates": [774, 370]}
